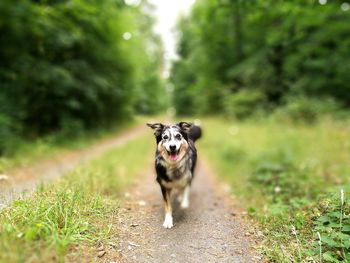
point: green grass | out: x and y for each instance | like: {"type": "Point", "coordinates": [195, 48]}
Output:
{"type": "Point", "coordinates": [283, 174]}
{"type": "Point", "coordinates": [79, 209]}
{"type": "Point", "coordinates": [25, 152]}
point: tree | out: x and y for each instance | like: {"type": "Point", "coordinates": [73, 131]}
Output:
{"type": "Point", "coordinates": [274, 49]}
{"type": "Point", "coordinates": [73, 65]}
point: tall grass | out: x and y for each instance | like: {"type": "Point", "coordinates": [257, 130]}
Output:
{"type": "Point", "coordinates": [81, 208]}
{"type": "Point", "coordinates": [282, 173]}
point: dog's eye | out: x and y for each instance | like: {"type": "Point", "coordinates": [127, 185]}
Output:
{"type": "Point", "coordinates": [178, 136]}
{"type": "Point", "coordinates": [165, 137]}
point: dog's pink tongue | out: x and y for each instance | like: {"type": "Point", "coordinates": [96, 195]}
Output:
{"type": "Point", "coordinates": [173, 157]}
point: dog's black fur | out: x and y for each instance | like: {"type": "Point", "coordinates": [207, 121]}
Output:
{"type": "Point", "coordinates": [175, 168]}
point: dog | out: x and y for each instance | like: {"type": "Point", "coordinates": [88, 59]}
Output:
{"type": "Point", "coordinates": [175, 161]}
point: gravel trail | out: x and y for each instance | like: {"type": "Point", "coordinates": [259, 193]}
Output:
{"type": "Point", "coordinates": [210, 230]}
{"type": "Point", "coordinates": [24, 180]}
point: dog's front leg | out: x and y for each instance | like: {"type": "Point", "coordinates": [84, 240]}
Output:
{"type": "Point", "coordinates": [185, 197]}
{"type": "Point", "coordinates": [168, 220]}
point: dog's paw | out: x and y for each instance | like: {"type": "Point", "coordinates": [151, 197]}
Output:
{"type": "Point", "coordinates": [168, 221]}
{"type": "Point", "coordinates": [184, 204]}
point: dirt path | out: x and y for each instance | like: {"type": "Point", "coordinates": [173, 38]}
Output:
{"type": "Point", "coordinates": [24, 180]}
{"type": "Point", "coordinates": [211, 230]}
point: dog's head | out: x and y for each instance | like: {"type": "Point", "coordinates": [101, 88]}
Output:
{"type": "Point", "coordinates": [172, 140]}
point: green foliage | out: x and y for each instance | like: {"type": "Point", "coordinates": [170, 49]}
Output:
{"type": "Point", "coordinates": [184, 94]}
{"type": "Point", "coordinates": [278, 171]}
{"type": "Point", "coordinates": [333, 226]}
{"type": "Point", "coordinates": [302, 109]}
{"type": "Point", "coordinates": [75, 65]}
{"type": "Point", "coordinates": [58, 219]}
{"type": "Point", "coordinates": [274, 48]}
{"type": "Point", "coordinates": [280, 178]}
{"type": "Point", "coordinates": [232, 154]}
{"type": "Point", "coordinates": [243, 104]}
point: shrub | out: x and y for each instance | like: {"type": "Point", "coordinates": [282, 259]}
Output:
{"type": "Point", "coordinates": [243, 104]}
{"type": "Point", "coordinates": [303, 109]}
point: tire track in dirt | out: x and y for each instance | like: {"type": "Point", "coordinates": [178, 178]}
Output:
{"type": "Point", "coordinates": [211, 230]}
{"type": "Point", "coordinates": [24, 180]}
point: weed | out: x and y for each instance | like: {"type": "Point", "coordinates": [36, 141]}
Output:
{"type": "Point", "coordinates": [333, 228]}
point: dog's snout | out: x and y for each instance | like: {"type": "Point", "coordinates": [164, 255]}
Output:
{"type": "Point", "coordinates": [172, 148]}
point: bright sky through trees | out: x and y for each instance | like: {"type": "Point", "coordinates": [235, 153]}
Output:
{"type": "Point", "coordinates": [167, 13]}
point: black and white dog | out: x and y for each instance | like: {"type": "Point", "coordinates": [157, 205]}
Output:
{"type": "Point", "coordinates": [176, 157]}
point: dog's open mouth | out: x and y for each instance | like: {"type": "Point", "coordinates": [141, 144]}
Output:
{"type": "Point", "coordinates": [173, 155]}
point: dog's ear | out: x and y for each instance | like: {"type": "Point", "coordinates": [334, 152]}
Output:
{"type": "Point", "coordinates": [184, 126]}
{"type": "Point", "coordinates": [157, 127]}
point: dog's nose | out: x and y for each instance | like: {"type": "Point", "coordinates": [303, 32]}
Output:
{"type": "Point", "coordinates": [172, 148]}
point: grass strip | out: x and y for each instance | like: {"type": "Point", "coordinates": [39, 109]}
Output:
{"type": "Point", "coordinates": [26, 152]}
{"type": "Point", "coordinates": [78, 209]}
{"type": "Point", "coordinates": [288, 177]}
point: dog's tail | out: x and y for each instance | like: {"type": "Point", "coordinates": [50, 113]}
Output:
{"type": "Point", "coordinates": [195, 132]}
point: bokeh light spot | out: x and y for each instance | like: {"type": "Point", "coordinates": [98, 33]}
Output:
{"type": "Point", "coordinates": [345, 6]}
{"type": "Point", "coordinates": [132, 2]}
{"type": "Point", "coordinates": [127, 35]}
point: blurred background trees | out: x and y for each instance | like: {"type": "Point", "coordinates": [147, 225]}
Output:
{"type": "Point", "coordinates": [69, 65]}
{"type": "Point", "coordinates": [73, 65]}
{"type": "Point", "coordinates": [242, 57]}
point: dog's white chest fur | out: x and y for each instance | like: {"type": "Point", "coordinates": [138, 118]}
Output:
{"type": "Point", "coordinates": [179, 174]}
{"type": "Point", "coordinates": [178, 183]}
